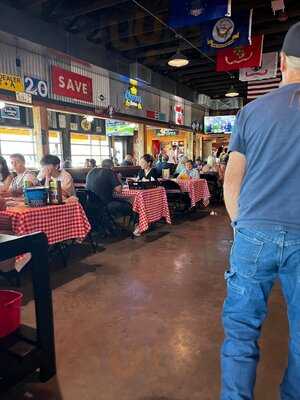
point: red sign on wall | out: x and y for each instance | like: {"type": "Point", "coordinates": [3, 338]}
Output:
{"type": "Point", "coordinates": [69, 84]}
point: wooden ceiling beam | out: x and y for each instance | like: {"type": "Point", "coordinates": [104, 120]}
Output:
{"type": "Point", "coordinates": [96, 5]}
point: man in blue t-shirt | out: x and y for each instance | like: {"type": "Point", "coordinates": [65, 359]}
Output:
{"type": "Point", "coordinates": [262, 196]}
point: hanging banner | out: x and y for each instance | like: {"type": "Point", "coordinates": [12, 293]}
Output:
{"type": "Point", "coordinates": [69, 84]}
{"type": "Point", "coordinates": [193, 12]}
{"type": "Point", "coordinates": [226, 32]}
{"type": "Point", "coordinates": [267, 70]}
{"type": "Point", "coordinates": [239, 57]}
{"type": "Point", "coordinates": [13, 83]}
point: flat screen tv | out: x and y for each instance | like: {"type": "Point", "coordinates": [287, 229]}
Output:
{"type": "Point", "coordinates": [219, 124]}
{"type": "Point", "coordinates": [119, 128]}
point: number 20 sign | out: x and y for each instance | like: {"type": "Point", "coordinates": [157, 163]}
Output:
{"type": "Point", "coordinates": [36, 87]}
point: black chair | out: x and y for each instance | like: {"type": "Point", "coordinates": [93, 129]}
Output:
{"type": "Point", "coordinates": [214, 186]}
{"type": "Point", "coordinates": [178, 200]}
{"type": "Point", "coordinates": [82, 195]}
{"type": "Point", "coordinates": [99, 215]}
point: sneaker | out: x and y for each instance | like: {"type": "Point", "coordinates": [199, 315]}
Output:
{"type": "Point", "coordinates": [136, 232]}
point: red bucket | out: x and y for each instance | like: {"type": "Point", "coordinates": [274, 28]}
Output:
{"type": "Point", "coordinates": [10, 311]}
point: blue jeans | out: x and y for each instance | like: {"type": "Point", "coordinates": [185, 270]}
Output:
{"type": "Point", "coordinates": [258, 257]}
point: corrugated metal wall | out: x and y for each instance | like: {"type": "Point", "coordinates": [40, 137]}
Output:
{"type": "Point", "coordinates": [37, 62]}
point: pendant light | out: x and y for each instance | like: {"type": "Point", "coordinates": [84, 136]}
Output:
{"type": "Point", "coordinates": [178, 60]}
{"type": "Point", "coordinates": [232, 92]}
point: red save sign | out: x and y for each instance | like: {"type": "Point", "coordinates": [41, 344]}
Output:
{"type": "Point", "coordinates": [69, 84]}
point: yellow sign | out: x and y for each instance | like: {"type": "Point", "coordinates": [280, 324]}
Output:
{"type": "Point", "coordinates": [13, 83]}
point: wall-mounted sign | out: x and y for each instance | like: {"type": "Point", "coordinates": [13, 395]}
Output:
{"type": "Point", "coordinates": [85, 124]}
{"type": "Point", "coordinates": [156, 115]}
{"type": "Point", "coordinates": [73, 126]}
{"type": "Point", "coordinates": [13, 83]}
{"type": "Point", "coordinates": [10, 112]}
{"type": "Point", "coordinates": [131, 97]}
{"type": "Point", "coordinates": [179, 114]}
{"type": "Point", "coordinates": [166, 132]}
{"type": "Point", "coordinates": [100, 98]}
{"type": "Point", "coordinates": [36, 87]}
{"type": "Point", "coordinates": [69, 84]}
{"type": "Point", "coordinates": [24, 97]}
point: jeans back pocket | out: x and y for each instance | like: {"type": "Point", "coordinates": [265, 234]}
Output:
{"type": "Point", "coordinates": [245, 253]}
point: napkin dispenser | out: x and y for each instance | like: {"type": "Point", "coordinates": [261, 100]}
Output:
{"type": "Point", "coordinates": [36, 196]}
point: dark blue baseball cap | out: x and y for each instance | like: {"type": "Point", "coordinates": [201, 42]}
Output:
{"type": "Point", "coordinates": [291, 44]}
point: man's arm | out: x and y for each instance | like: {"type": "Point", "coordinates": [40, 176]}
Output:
{"type": "Point", "coordinates": [232, 183]}
{"type": "Point", "coordinates": [118, 189]}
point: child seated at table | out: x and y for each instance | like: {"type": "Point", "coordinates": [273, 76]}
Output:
{"type": "Point", "coordinates": [51, 169]}
{"type": "Point", "coordinates": [190, 172]}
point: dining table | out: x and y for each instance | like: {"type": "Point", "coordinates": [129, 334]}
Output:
{"type": "Point", "coordinates": [151, 205]}
{"type": "Point", "coordinates": [197, 189]}
{"type": "Point", "coordinates": [59, 222]}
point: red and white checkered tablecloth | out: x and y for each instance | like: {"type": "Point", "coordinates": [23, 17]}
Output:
{"type": "Point", "coordinates": [59, 223]}
{"type": "Point", "coordinates": [197, 190]}
{"type": "Point", "coordinates": [151, 205]}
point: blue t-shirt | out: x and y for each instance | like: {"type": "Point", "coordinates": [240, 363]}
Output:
{"type": "Point", "coordinates": [267, 132]}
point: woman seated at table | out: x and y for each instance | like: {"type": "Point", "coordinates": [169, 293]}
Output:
{"type": "Point", "coordinates": [5, 176]}
{"type": "Point", "coordinates": [51, 169]}
{"type": "Point", "coordinates": [23, 175]}
{"type": "Point", "coordinates": [189, 172]}
{"type": "Point", "coordinates": [148, 172]}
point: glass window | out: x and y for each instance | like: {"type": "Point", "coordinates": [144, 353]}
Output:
{"type": "Point", "coordinates": [55, 146]}
{"type": "Point", "coordinates": [14, 140]}
{"type": "Point", "coordinates": [85, 146]}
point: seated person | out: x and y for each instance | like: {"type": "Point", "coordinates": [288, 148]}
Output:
{"type": "Point", "coordinates": [90, 163]}
{"type": "Point", "coordinates": [22, 174]}
{"type": "Point", "coordinates": [5, 176]}
{"type": "Point", "coordinates": [103, 182]}
{"type": "Point", "coordinates": [128, 162]}
{"type": "Point", "coordinates": [87, 163]}
{"type": "Point", "coordinates": [210, 166]}
{"type": "Point", "coordinates": [163, 164]}
{"type": "Point", "coordinates": [51, 169]}
{"type": "Point", "coordinates": [147, 172]}
{"type": "Point", "coordinates": [190, 171]}
{"type": "Point", "coordinates": [199, 164]}
{"type": "Point", "coordinates": [181, 166]}
{"type": "Point", "coordinates": [93, 163]}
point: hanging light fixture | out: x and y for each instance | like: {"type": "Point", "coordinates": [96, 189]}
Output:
{"type": "Point", "coordinates": [178, 60]}
{"type": "Point", "coordinates": [232, 92]}
{"type": "Point", "coordinates": [2, 105]}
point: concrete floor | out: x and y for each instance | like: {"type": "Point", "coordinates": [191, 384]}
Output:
{"type": "Point", "coordinates": [141, 321]}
